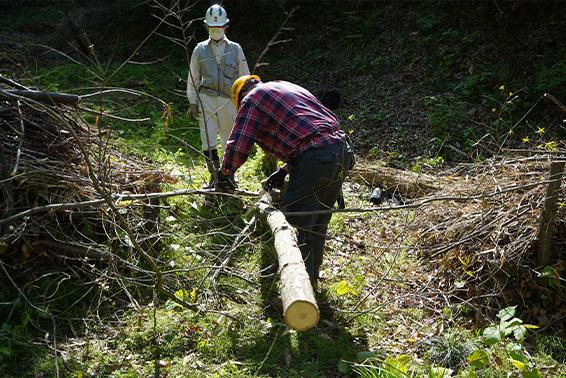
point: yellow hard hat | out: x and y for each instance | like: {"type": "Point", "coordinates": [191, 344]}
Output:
{"type": "Point", "coordinates": [238, 85]}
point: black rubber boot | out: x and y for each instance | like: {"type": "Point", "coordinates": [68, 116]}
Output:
{"type": "Point", "coordinates": [212, 164]}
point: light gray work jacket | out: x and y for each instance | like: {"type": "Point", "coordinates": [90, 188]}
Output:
{"type": "Point", "coordinates": [214, 67]}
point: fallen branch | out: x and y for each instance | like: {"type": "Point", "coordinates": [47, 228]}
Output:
{"type": "Point", "coordinates": [237, 241]}
{"type": "Point", "coordinates": [12, 83]}
{"type": "Point", "coordinates": [244, 193]}
{"type": "Point", "coordinates": [425, 201]}
{"type": "Point", "coordinates": [122, 197]}
{"type": "Point", "coordinates": [49, 97]}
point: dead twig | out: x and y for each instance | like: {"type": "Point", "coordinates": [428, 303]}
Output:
{"type": "Point", "coordinates": [274, 40]}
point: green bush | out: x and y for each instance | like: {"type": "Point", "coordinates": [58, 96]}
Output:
{"type": "Point", "coordinates": [445, 117]}
{"type": "Point", "coordinates": [552, 79]}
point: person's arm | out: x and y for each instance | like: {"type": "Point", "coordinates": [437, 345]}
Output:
{"type": "Point", "coordinates": [193, 79]}
{"type": "Point", "coordinates": [276, 179]}
{"type": "Point", "coordinates": [243, 68]}
{"type": "Point", "coordinates": [242, 138]}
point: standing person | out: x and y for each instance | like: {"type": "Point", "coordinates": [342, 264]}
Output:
{"type": "Point", "coordinates": [288, 122]}
{"type": "Point", "coordinates": [215, 64]}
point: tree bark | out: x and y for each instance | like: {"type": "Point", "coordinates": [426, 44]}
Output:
{"type": "Point", "coordinates": [544, 253]}
{"type": "Point", "coordinates": [299, 305]}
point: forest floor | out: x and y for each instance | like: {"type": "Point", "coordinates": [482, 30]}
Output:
{"type": "Point", "coordinates": [423, 95]}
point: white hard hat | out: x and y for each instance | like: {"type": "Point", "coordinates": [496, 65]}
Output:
{"type": "Point", "coordinates": [216, 16]}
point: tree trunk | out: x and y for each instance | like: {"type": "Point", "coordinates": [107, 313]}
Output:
{"type": "Point", "coordinates": [299, 305]}
{"type": "Point", "coordinates": [396, 180]}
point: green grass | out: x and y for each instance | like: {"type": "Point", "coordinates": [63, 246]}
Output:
{"type": "Point", "coordinates": [169, 130]}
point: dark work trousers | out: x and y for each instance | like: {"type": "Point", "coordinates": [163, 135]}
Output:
{"type": "Point", "coordinates": [315, 182]}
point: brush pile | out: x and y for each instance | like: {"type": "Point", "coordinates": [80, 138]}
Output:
{"type": "Point", "coordinates": [483, 237]}
{"type": "Point", "coordinates": [58, 181]}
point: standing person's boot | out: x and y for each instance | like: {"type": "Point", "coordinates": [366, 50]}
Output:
{"type": "Point", "coordinates": [212, 164]}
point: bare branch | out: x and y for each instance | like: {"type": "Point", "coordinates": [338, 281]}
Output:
{"type": "Point", "coordinates": [273, 41]}
{"type": "Point", "coordinates": [101, 113]}
{"type": "Point", "coordinates": [555, 100]}
{"type": "Point", "coordinates": [116, 198]}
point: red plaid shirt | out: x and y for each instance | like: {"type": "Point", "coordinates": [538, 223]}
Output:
{"type": "Point", "coordinates": [282, 118]}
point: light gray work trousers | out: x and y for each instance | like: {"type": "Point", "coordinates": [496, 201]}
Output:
{"type": "Point", "coordinates": [216, 118]}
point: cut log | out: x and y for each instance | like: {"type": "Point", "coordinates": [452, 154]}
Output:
{"type": "Point", "coordinates": [396, 180]}
{"type": "Point", "coordinates": [300, 310]}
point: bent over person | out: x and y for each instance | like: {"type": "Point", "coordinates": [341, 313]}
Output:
{"type": "Point", "coordinates": [288, 122]}
{"type": "Point", "coordinates": [215, 64]}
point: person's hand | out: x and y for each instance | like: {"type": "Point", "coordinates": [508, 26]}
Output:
{"type": "Point", "coordinates": [224, 183]}
{"type": "Point", "coordinates": [193, 111]}
{"type": "Point", "coordinates": [275, 180]}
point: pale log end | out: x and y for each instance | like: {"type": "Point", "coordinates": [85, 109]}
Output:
{"type": "Point", "coordinates": [302, 315]}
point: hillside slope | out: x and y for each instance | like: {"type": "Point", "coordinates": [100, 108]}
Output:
{"type": "Point", "coordinates": [416, 78]}
{"type": "Point", "coordinates": [420, 78]}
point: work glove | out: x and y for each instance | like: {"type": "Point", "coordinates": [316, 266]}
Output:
{"type": "Point", "coordinates": [275, 180]}
{"type": "Point", "coordinates": [193, 111]}
{"type": "Point", "coordinates": [224, 183]}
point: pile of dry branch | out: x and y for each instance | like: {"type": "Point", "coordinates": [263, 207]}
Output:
{"type": "Point", "coordinates": [483, 236]}
{"type": "Point", "coordinates": [59, 179]}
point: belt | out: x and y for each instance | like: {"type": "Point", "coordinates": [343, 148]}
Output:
{"type": "Point", "coordinates": [297, 154]}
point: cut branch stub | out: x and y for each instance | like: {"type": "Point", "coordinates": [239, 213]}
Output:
{"type": "Point", "coordinates": [299, 305]}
